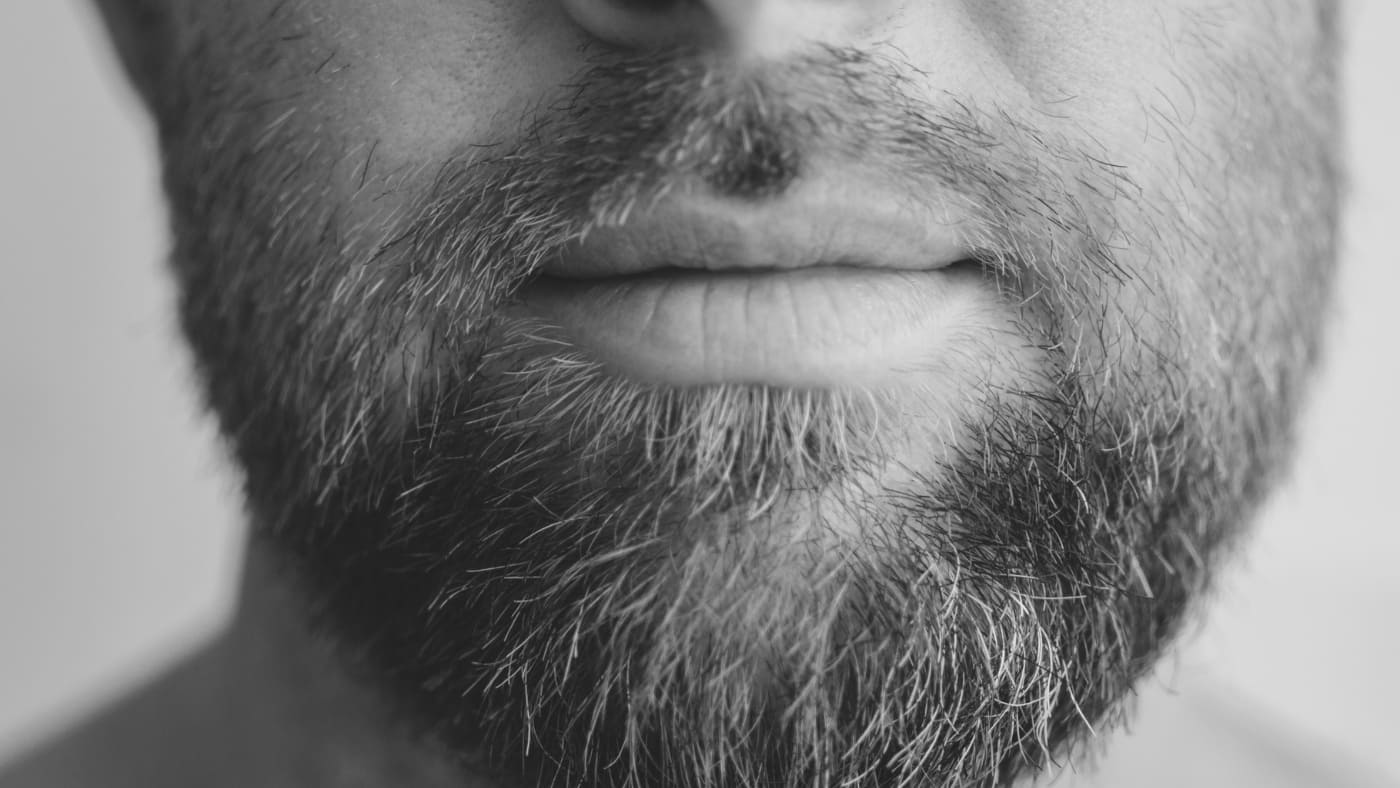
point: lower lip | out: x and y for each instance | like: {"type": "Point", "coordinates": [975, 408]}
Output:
{"type": "Point", "coordinates": [807, 327]}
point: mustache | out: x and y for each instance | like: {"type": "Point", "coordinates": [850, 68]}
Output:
{"type": "Point", "coordinates": [629, 130]}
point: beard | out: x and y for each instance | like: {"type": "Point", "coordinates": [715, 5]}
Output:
{"type": "Point", "coordinates": [605, 582]}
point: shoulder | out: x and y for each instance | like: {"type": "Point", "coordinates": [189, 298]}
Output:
{"type": "Point", "coordinates": [1206, 736]}
{"type": "Point", "coordinates": [160, 736]}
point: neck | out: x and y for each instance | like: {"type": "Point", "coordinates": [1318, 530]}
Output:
{"type": "Point", "coordinates": [302, 715]}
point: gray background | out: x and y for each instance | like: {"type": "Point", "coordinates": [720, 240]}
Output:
{"type": "Point", "coordinates": [119, 522]}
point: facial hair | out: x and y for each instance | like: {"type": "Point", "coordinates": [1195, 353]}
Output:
{"type": "Point", "coordinates": [610, 583]}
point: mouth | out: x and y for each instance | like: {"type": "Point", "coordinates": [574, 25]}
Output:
{"type": "Point", "coordinates": [681, 274]}
{"type": "Point", "coordinates": [814, 292]}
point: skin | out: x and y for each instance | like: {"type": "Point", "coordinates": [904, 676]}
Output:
{"type": "Point", "coordinates": [485, 552]}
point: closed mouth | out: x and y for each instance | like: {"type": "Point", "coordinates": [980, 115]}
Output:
{"type": "Point", "coordinates": [677, 273]}
{"type": "Point", "coordinates": [811, 290]}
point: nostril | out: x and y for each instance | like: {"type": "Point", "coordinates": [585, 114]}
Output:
{"type": "Point", "coordinates": [640, 23]}
{"type": "Point", "coordinates": [745, 30]}
{"type": "Point", "coordinates": [649, 5]}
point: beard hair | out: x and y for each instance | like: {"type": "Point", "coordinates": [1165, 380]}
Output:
{"type": "Point", "coordinates": [592, 579]}
{"type": "Point", "coordinates": [621, 635]}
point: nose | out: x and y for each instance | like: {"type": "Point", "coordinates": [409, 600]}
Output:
{"type": "Point", "coordinates": [743, 28]}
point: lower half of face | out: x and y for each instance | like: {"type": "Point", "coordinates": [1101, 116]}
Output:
{"type": "Point", "coordinates": [806, 420]}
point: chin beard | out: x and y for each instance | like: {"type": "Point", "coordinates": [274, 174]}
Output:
{"type": "Point", "coordinates": [668, 594]}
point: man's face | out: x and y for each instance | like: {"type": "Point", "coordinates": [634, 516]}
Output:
{"type": "Point", "coordinates": [752, 392]}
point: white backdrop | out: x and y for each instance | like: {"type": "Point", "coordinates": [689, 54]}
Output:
{"type": "Point", "coordinates": [119, 521]}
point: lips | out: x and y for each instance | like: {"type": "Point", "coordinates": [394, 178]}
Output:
{"type": "Point", "coordinates": [857, 231]}
{"type": "Point", "coordinates": [829, 288]}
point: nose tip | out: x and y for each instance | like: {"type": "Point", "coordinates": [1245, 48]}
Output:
{"type": "Point", "coordinates": [762, 28]}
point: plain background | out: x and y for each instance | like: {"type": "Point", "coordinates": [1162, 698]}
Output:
{"type": "Point", "coordinates": [119, 519]}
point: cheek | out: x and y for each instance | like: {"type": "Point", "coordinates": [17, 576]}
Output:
{"type": "Point", "coordinates": [1187, 103]}
{"type": "Point", "coordinates": [425, 80]}
{"type": "Point", "coordinates": [357, 104]}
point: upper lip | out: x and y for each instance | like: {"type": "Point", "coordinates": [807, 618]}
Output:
{"type": "Point", "coordinates": [850, 226]}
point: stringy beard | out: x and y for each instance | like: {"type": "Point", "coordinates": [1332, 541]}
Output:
{"type": "Point", "coordinates": [712, 617]}
{"type": "Point", "coordinates": [617, 585]}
